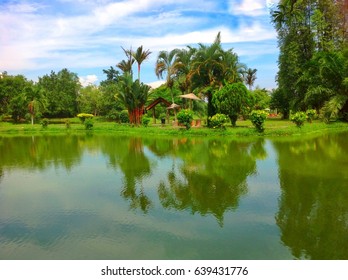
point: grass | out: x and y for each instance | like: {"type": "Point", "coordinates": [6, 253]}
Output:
{"type": "Point", "coordinates": [273, 128]}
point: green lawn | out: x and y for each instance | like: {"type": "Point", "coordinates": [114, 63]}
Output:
{"type": "Point", "coordinates": [273, 127]}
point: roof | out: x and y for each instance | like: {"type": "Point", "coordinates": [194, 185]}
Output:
{"type": "Point", "coordinates": [156, 101]}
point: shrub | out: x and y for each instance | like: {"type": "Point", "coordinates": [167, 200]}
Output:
{"type": "Point", "coordinates": [124, 116]}
{"type": "Point", "coordinates": [84, 116]}
{"type": "Point", "coordinates": [258, 118]}
{"type": "Point", "coordinates": [185, 117]}
{"type": "Point", "coordinates": [67, 123]}
{"type": "Point", "coordinates": [311, 115]}
{"type": "Point", "coordinates": [299, 118]}
{"type": "Point", "coordinates": [145, 121]}
{"type": "Point", "coordinates": [88, 124]}
{"type": "Point", "coordinates": [44, 123]}
{"type": "Point", "coordinates": [218, 121]}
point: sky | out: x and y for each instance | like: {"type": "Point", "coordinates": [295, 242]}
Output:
{"type": "Point", "coordinates": [86, 36]}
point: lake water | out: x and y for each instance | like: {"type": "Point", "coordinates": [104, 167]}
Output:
{"type": "Point", "coordinates": [114, 197]}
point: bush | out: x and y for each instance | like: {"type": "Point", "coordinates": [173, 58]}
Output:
{"type": "Point", "coordinates": [258, 118]}
{"type": "Point", "coordinates": [124, 116]}
{"type": "Point", "coordinates": [88, 124]}
{"type": "Point", "coordinates": [218, 121]}
{"type": "Point", "coordinates": [299, 118]}
{"type": "Point", "coordinates": [311, 115]}
{"type": "Point", "coordinates": [185, 117]}
{"type": "Point", "coordinates": [145, 121]}
{"type": "Point", "coordinates": [44, 123]}
{"type": "Point", "coordinates": [84, 116]}
{"type": "Point", "coordinates": [67, 123]}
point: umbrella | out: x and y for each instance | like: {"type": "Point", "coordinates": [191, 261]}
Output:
{"type": "Point", "coordinates": [190, 96]}
{"type": "Point", "coordinates": [173, 106]}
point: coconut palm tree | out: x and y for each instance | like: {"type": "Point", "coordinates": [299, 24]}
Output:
{"type": "Point", "coordinates": [250, 77]}
{"type": "Point", "coordinates": [140, 55]}
{"type": "Point", "coordinates": [166, 64]}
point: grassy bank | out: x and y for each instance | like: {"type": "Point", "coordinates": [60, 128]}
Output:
{"type": "Point", "coordinates": [273, 128]}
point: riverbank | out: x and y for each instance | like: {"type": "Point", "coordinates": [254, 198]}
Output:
{"type": "Point", "coordinates": [273, 128]}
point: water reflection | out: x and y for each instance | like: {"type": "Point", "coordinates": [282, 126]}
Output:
{"type": "Point", "coordinates": [313, 207]}
{"type": "Point", "coordinates": [211, 179]}
{"type": "Point", "coordinates": [57, 192]}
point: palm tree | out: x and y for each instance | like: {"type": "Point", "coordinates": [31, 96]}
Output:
{"type": "Point", "coordinates": [126, 65]}
{"type": "Point", "coordinates": [207, 70]}
{"type": "Point", "coordinates": [139, 55]}
{"type": "Point", "coordinates": [250, 77]}
{"type": "Point", "coordinates": [183, 64]}
{"type": "Point", "coordinates": [133, 95]}
{"type": "Point", "coordinates": [166, 64]}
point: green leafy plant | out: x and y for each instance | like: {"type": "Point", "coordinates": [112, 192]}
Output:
{"type": "Point", "coordinates": [218, 121]}
{"type": "Point", "coordinates": [145, 121]}
{"type": "Point", "coordinates": [185, 117]}
{"type": "Point", "coordinates": [311, 115]}
{"type": "Point", "coordinates": [258, 118]}
{"type": "Point", "coordinates": [44, 123]}
{"type": "Point", "coordinates": [299, 118]}
{"type": "Point", "coordinates": [124, 116]}
{"type": "Point", "coordinates": [84, 116]}
{"type": "Point", "coordinates": [88, 124]}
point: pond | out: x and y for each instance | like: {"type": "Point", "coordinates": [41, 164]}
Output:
{"type": "Point", "coordinates": [117, 197]}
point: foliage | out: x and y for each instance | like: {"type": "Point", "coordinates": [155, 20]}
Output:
{"type": "Point", "coordinates": [311, 115]}
{"type": "Point", "coordinates": [89, 124]}
{"type": "Point", "coordinates": [261, 99]}
{"type": "Point", "coordinates": [124, 116]}
{"type": "Point", "coordinates": [44, 123]}
{"type": "Point", "coordinates": [145, 121]}
{"type": "Point", "coordinates": [312, 39]}
{"type": "Point", "coordinates": [90, 99]}
{"type": "Point", "coordinates": [185, 117]}
{"type": "Point", "coordinates": [84, 116]}
{"type": "Point", "coordinates": [258, 118]}
{"type": "Point", "coordinates": [250, 77]}
{"type": "Point", "coordinates": [139, 56]}
{"type": "Point", "coordinates": [60, 91]}
{"type": "Point", "coordinates": [218, 121]}
{"type": "Point", "coordinates": [133, 95]}
{"type": "Point", "coordinates": [232, 100]}
{"type": "Point", "coordinates": [299, 118]}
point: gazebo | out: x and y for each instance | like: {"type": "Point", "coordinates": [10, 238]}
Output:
{"type": "Point", "coordinates": [155, 103]}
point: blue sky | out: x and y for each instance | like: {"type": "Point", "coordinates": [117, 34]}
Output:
{"type": "Point", "coordinates": [86, 36]}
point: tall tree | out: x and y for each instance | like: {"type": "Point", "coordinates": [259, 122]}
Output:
{"type": "Point", "coordinates": [133, 95]}
{"type": "Point", "coordinates": [166, 64]}
{"type": "Point", "coordinates": [61, 91]}
{"type": "Point", "coordinates": [126, 65]}
{"type": "Point", "coordinates": [250, 77]}
{"type": "Point", "coordinates": [140, 55]}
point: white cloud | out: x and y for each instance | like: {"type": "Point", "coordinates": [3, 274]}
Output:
{"type": "Point", "coordinates": [248, 7]}
{"type": "Point", "coordinates": [88, 80]}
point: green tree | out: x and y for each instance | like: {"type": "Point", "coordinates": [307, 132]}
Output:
{"type": "Point", "coordinates": [61, 91]}
{"type": "Point", "coordinates": [140, 55]}
{"type": "Point", "coordinates": [250, 77]}
{"type": "Point", "coordinates": [90, 100]}
{"type": "Point", "coordinates": [133, 95]}
{"type": "Point", "coordinates": [232, 100]}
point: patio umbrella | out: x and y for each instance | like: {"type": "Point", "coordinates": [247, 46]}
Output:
{"type": "Point", "coordinates": [190, 96]}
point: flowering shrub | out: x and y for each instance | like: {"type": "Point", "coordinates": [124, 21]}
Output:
{"type": "Point", "coordinates": [299, 118]}
{"type": "Point", "coordinates": [258, 118]}
{"type": "Point", "coordinates": [185, 117]}
{"type": "Point", "coordinates": [218, 121]}
{"type": "Point", "coordinates": [84, 116]}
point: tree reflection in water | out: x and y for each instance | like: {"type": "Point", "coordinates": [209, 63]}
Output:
{"type": "Point", "coordinates": [211, 178]}
{"type": "Point", "coordinates": [313, 208]}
